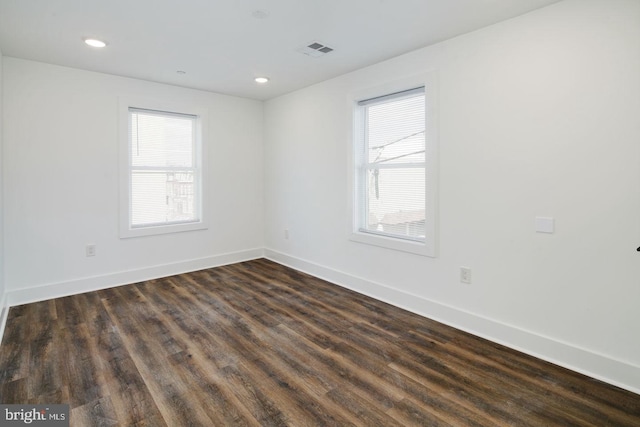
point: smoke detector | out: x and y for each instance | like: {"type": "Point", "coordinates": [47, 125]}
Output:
{"type": "Point", "coordinates": [315, 49]}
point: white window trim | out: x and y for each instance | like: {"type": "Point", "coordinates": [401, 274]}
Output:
{"type": "Point", "coordinates": [124, 103]}
{"type": "Point", "coordinates": [429, 246]}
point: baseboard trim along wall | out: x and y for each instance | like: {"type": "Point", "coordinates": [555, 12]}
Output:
{"type": "Point", "coordinates": [88, 284]}
{"type": "Point", "coordinates": [615, 372]}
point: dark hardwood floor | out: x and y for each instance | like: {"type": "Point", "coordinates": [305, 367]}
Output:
{"type": "Point", "coordinates": [258, 344]}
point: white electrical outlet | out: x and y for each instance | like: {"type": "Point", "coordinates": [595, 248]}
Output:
{"type": "Point", "coordinates": [91, 250]}
{"type": "Point", "coordinates": [465, 274]}
{"type": "Point", "coordinates": [286, 234]}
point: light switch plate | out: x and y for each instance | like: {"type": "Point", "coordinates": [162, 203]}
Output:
{"type": "Point", "coordinates": [545, 224]}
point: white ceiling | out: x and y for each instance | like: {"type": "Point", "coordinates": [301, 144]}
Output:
{"type": "Point", "coordinates": [220, 44]}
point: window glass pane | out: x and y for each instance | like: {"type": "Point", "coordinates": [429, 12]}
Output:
{"type": "Point", "coordinates": [159, 197]}
{"type": "Point", "coordinates": [161, 139]}
{"type": "Point", "coordinates": [395, 202]}
{"type": "Point", "coordinates": [395, 131]}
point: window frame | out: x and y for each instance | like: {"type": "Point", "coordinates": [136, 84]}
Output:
{"type": "Point", "coordinates": [357, 197]}
{"type": "Point", "coordinates": [127, 230]}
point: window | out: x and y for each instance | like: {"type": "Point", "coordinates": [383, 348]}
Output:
{"type": "Point", "coordinates": [163, 166]}
{"type": "Point", "coordinates": [394, 169]}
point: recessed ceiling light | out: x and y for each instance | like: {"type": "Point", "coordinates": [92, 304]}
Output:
{"type": "Point", "coordinates": [95, 42]}
{"type": "Point", "coordinates": [261, 80]}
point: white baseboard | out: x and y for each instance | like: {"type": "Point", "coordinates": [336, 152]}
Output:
{"type": "Point", "coordinates": [601, 367]}
{"type": "Point", "coordinates": [88, 284]}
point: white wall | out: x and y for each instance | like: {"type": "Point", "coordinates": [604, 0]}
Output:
{"type": "Point", "coordinates": [538, 116]}
{"type": "Point", "coordinates": [61, 183]}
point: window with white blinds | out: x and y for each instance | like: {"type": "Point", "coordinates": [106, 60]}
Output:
{"type": "Point", "coordinates": [163, 182]}
{"type": "Point", "coordinates": [394, 170]}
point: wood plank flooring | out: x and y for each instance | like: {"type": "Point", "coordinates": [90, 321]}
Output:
{"type": "Point", "coordinates": [259, 344]}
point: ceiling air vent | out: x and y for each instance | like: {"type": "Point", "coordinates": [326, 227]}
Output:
{"type": "Point", "coordinates": [315, 49]}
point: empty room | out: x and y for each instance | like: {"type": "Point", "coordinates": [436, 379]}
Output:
{"type": "Point", "coordinates": [320, 213]}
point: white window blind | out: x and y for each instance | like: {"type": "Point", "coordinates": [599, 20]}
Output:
{"type": "Point", "coordinates": [164, 176]}
{"type": "Point", "coordinates": [392, 175]}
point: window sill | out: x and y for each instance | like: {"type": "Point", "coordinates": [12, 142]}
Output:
{"type": "Point", "coordinates": [126, 233]}
{"type": "Point", "coordinates": [418, 248]}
